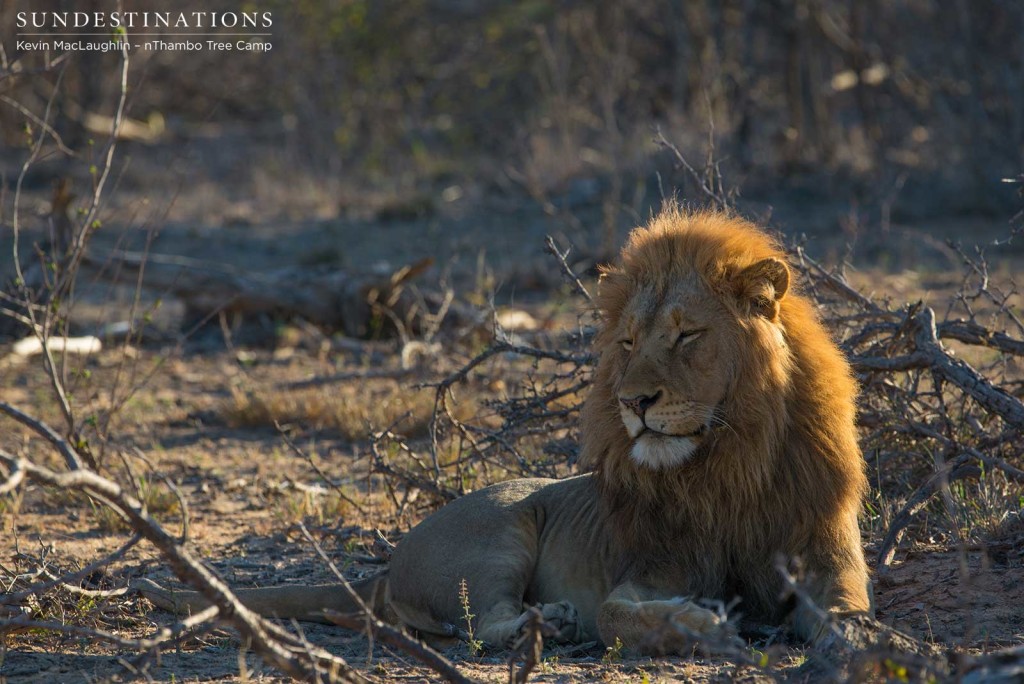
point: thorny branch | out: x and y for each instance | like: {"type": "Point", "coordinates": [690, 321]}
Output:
{"type": "Point", "coordinates": [367, 622]}
{"type": "Point", "coordinates": [279, 648]}
{"type": "Point", "coordinates": [918, 397]}
{"type": "Point", "coordinates": [551, 248]}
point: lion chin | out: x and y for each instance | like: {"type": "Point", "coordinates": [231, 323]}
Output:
{"type": "Point", "coordinates": [657, 451]}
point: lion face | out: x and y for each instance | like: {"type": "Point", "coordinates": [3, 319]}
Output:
{"type": "Point", "coordinates": [672, 352]}
{"type": "Point", "coordinates": [689, 323]}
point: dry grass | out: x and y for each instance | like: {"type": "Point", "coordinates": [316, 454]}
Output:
{"type": "Point", "coordinates": [319, 508]}
{"type": "Point", "coordinates": [353, 410]}
{"type": "Point", "coordinates": [978, 509]}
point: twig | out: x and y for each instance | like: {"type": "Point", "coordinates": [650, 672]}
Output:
{"type": "Point", "coordinates": [192, 626]}
{"type": "Point", "coordinates": [837, 284]}
{"type": "Point", "coordinates": [956, 469]}
{"type": "Point", "coordinates": [502, 347]}
{"type": "Point", "coordinates": [372, 373]}
{"type": "Point", "coordinates": [309, 459]}
{"type": "Point", "coordinates": [66, 580]}
{"type": "Point", "coordinates": [39, 122]}
{"type": "Point", "coordinates": [529, 646]}
{"type": "Point", "coordinates": [551, 248]}
{"type": "Point", "coordinates": [435, 487]}
{"type": "Point", "coordinates": [264, 637]}
{"type": "Point", "coordinates": [385, 633]}
{"type": "Point", "coordinates": [396, 639]}
{"type": "Point", "coordinates": [719, 201]}
{"type": "Point", "coordinates": [14, 478]}
{"type": "Point", "coordinates": [71, 457]}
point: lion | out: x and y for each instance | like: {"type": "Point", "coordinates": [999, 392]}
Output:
{"type": "Point", "coordinates": [718, 437]}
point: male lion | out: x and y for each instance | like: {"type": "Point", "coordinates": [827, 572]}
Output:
{"type": "Point", "coordinates": [720, 433]}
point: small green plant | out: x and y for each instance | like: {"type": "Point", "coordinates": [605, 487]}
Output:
{"type": "Point", "coordinates": [107, 519]}
{"type": "Point", "coordinates": [85, 605]}
{"type": "Point", "coordinates": [548, 665]}
{"type": "Point", "coordinates": [613, 653]}
{"type": "Point", "coordinates": [474, 645]}
{"type": "Point", "coordinates": [157, 499]}
{"type": "Point", "coordinates": [10, 506]}
{"type": "Point", "coordinates": [896, 671]}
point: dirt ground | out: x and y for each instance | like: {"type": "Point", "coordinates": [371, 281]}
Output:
{"type": "Point", "coordinates": [194, 419]}
{"type": "Point", "coordinates": [243, 516]}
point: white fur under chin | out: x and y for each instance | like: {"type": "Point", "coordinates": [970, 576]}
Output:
{"type": "Point", "coordinates": [634, 426]}
{"type": "Point", "coordinates": [661, 452]}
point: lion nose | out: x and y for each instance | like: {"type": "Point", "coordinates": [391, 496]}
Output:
{"type": "Point", "coordinates": [640, 403]}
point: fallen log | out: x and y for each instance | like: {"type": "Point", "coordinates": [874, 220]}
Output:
{"type": "Point", "coordinates": [357, 304]}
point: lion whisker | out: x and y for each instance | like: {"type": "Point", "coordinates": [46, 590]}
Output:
{"type": "Point", "coordinates": [719, 421]}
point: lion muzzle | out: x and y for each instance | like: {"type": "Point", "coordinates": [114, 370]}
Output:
{"type": "Point", "coordinates": [640, 403]}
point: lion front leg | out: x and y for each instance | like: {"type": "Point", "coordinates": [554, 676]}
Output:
{"type": "Point", "coordinates": [828, 600]}
{"type": "Point", "coordinates": [644, 622]}
{"type": "Point", "coordinates": [836, 586]}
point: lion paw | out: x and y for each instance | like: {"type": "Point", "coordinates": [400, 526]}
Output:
{"type": "Point", "coordinates": [695, 618]}
{"type": "Point", "coordinates": [562, 617]}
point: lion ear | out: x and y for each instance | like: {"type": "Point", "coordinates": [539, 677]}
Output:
{"type": "Point", "coordinates": [762, 286]}
{"type": "Point", "coordinates": [608, 275]}
{"type": "Point", "coordinates": [613, 287]}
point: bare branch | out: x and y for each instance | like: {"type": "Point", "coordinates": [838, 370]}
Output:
{"type": "Point", "coordinates": [265, 637]}
{"type": "Point", "coordinates": [717, 198]}
{"type": "Point", "coordinates": [71, 456]}
{"type": "Point", "coordinates": [958, 372]}
{"type": "Point", "coordinates": [366, 621]}
{"type": "Point", "coordinates": [551, 248]}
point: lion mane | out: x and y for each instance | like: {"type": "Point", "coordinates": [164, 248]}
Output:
{"type": "Point", "coordinates": [786, 475]}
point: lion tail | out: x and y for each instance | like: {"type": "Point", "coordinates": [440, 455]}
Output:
{"type": "Point", "coordinates": [306, 602]}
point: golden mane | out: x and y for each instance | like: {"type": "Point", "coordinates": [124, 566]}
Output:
{"type": "Point", "coordinates": [791, 437]}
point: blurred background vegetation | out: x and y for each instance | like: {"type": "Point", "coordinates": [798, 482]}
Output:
{"type": "Point", "coordinates": [919, 101]}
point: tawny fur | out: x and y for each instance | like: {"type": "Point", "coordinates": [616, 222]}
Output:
{"type": "Point", "coordinates": [755, 459]}
{"type": "Point", "coordinates": [788, 477]}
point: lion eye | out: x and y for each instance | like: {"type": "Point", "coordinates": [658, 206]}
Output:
{"type": "Point", "coordinates": [627, 344]}
{"type": "Point", "coordinates": [688, 336]}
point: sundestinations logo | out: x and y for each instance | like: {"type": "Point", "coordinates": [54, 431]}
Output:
{"type": "Point", "coordinates": [149, 30]}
